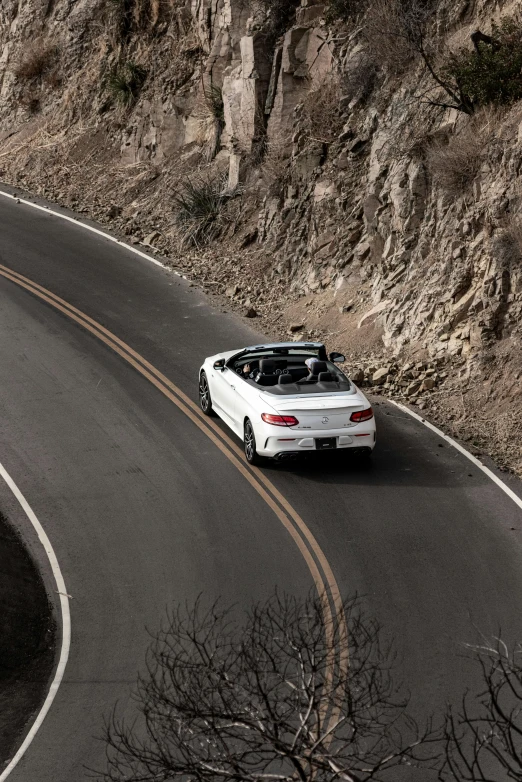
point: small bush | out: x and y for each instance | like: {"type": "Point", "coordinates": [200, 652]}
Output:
{"type": "Point", "coordinates": [37, 63]}
{"type": "Point", "coordinates": [507, 244]}
{"type": "Point", "coordinates": [125, 83]}
{"type": "Point", "coordinates": [343, 10]}
{"type": "Point", "coordinates": [385, 35]}
{"type": "Point", "coordinates": [214, 101]}
{"type": "Point", "coordinates": [321, 110]}
{"type": "Point", "coordinates": [492, 74]}
{"type": "Point", "coordinates": [199, 206]}
{"type": "Point", "coordinates": [456, 163]}
{"type": "Point", "coordinates": [275, 160]}
{"type": "Point", "coordinates": [280, 16]}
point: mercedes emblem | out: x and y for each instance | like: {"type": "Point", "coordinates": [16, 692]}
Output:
{"type": "Point", "coordinates": [325, 420]}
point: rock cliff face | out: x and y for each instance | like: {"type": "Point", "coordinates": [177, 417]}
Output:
{"type": "Point", "coordinates": [347, 205]}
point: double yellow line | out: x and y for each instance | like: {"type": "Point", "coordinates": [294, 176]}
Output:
{"type": "Point", "coordinates": [324, 579]}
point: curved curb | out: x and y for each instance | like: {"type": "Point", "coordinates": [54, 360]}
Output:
{"type": "Point", "coordinates": [66, 622]}
{"type": "Point", "coordinates": [505, 488]}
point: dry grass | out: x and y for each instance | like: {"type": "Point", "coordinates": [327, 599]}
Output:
{"type": "Point", "coordinates": [275, 166]}
{"type": "Point", "coordinates": [384, 33]}
{"type": "Point", "coordinates": [507, 244]}
{"type": "Point", "coordinates": [38, 62]}
{"type": "Point", "coordinates": [322, 115]}
{"type": "Point", "coordinates": [455, 163]}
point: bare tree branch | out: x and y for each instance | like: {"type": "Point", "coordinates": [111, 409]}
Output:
{"type": "Point", "coordinates": [483, 740]}
{"type": "Point", "coordinates": [260, 700]}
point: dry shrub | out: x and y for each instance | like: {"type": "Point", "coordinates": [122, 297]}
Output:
{"type": "Point", "coordinates": [275, 164]}
{"type": "Point", "coordinates": [321, 110]}
{"type": "Point", "coordinates": [360, 73]}
{"type": "Point", "coordinates": [455, 163]}
{"type": "Point", "coordinates": [506, 245]}
{"type": "Point", "coordinates": [40, 61]}
{"type": "Point", "coordinates": [30, 100]}
{"type": "Point", "coordinates": [384, 32]}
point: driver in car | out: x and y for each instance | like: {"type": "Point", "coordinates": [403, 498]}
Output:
{"type": "Point", "coordinates": [249, 372]}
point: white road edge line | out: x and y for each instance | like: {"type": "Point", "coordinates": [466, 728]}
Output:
{"type": "Point", "coordinates": [66, 622]}
{"type": "Point", "coordinates": [511, 494]}
{"type": "Point", "coordinates": [74, 220]}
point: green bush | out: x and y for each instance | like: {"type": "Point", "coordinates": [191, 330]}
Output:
{"type": "Point", "coordinates": [491, 74]}
{"type": "Point", "coordinates": [125, 83]}
{"type": "Point", "coordinates": [199, 206]}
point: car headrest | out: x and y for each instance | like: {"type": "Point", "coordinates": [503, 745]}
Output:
{"type": "Point", "coordinates": [267, 366]}
{"type": "Point", "coordinates": [285, 379]}
{"type": "Point", "coordinates": [319, 366]}
{"type": "Point", "coordinates": [326, 377]}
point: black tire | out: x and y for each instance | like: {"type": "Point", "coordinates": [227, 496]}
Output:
{"type": "Point", "coordinates": [205, 400]}
{"type": "Point", "coordinates": [249, 441]}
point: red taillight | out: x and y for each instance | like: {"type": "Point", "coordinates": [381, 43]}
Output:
{"type": "Point", "coordinates": [362, 415]}
{"type": "Point", "coordinates": [279, 420]}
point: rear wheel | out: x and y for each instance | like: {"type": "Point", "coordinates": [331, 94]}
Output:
{"type": "Point", "coordinates": [251, 453]}
{"type": "Point", "coordinates": [205, 400]}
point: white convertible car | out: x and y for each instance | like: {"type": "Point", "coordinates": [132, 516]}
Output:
{"type": "Point", "coordinates": [280, 407]}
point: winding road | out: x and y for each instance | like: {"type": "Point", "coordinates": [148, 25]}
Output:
{"type": "Point", "coordinates": [145, 506]}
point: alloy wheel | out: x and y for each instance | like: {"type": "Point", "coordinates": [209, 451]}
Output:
{"type": "Point", "coordinates": [204, 394]}
{"type": "Point", "coordinates": [250, 442]}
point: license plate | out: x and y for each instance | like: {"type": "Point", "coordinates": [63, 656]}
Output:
{"type": "Point", "coordinates": [325, 443]}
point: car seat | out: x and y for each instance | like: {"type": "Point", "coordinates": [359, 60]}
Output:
{"type": "Point", "coordinates": [267, 376]}
{"type": "Point", "coordinates": [327, 377]}
{"type": "Point", "coordinates": [313, 377]}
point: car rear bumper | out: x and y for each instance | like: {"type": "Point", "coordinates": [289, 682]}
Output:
{"type": "Point", "coordinates": [287, 443]}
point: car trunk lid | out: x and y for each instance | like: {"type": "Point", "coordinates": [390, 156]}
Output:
{"type": "Point", "coordinates": [320, 413]}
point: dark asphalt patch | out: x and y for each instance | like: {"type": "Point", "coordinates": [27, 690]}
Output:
{"type": "Point", "coordinates": [27, 641]}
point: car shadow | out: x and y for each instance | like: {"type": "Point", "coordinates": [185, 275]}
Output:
{"type": "Point", "coordinates": [407, 454]}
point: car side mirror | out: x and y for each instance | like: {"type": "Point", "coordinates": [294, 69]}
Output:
{"type": "Point", "coordinates": [220, 364]}
{"type": "Point", "coordinates": [337, 358]}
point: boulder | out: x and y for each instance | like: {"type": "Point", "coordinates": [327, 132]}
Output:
{"type": "Point", "coordinates": [372, 314]}
{"type": "Point", "coordinates": [379, 377]}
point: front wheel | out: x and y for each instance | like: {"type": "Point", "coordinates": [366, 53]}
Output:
{"type": "Point", "coordinates": [251, 453]}
{"type": "Point", "coordinates": [205, 400]}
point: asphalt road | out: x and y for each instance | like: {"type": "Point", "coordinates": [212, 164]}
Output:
{"type": "Point", "coordinates": [143, 509]}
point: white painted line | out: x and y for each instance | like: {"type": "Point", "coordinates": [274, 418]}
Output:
{"type": "Point", "coordinates": [511, 494]}
{"type": "Point", "coordinates": [48, 210]}
{"type": "Point", "coordinates": [66, 622]}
